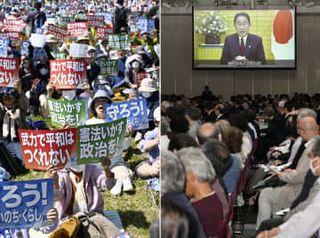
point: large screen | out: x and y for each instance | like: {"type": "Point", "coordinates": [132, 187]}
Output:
{"type": "Point", "coordinates": [244, 39]}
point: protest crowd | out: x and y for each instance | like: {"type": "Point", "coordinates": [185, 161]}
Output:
{"type": "Point", "coordinates": [79, 88]}
{"type": "Point", "coordinates": [227, 161]}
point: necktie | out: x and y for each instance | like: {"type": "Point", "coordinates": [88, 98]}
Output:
{"type": "Point", "coordinates": [242, 48]}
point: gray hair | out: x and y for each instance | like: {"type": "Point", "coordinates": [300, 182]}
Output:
{"type": "Point", "coordinates": [172, 173]}
{"type": "Point", "coordinates": [316, 146]}
{"type": "Point", "coordinates": [196, 162]}
{"type": "Point", "coordinates": [307, 112]}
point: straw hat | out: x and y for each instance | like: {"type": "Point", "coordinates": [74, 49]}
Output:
{"type": "Point", "coordinates": [148, 85]}
{"type": "Point", "coordinates": [51, 38]}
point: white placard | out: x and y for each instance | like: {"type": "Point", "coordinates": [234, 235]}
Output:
{"type": "Point", "coordinates": [38, 40]}
{"type": "Point", "coordinates": [78, 50]}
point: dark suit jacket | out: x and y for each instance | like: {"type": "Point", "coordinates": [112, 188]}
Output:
{"type": "Point", "coordinates": [253, 49]}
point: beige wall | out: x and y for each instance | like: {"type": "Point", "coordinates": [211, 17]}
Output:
{"type": "Point", "coordinates": [178, 77]}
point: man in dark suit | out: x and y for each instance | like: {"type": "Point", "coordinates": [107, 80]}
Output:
{"type": "Point", "coordinates": [242, 46]}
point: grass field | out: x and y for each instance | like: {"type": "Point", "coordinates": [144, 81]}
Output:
{"type": "Point", "coordinates": [136, 209]}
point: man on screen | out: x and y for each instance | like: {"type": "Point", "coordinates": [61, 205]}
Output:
{"type": "Point", "coordinates": [242, 46]}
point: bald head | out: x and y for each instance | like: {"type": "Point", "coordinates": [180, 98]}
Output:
{"type": "Point", "coordinates": [207, 131]}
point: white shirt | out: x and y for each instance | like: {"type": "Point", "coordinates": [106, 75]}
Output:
{"type": "Point", "coordinates": [304, 223]}
{"type": "Point", "coordinates": [244, 40]}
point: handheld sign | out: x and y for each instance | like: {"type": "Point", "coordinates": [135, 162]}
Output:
{"type": "Point", "coordinates": [145, 25]}
{"type": "Point", "coordinates": [43, 148]}
{"type": "Point", "coordinates": [4, 43]}
{"type": "Point", "coordinates": [95, 20]}
{"type": "Point", "coordinates": [9, 71]}
{"type": "Point", "coordinates": [119, 41]}
{"type": "Point", "coordinates": [67, 113]}
{"type": "Point", "coordinates": [100, 141]}
{"type": "Point", "coordinates": [25, 203]}
{"type": "Point", "coordinates": [104, 32]}
{"type": "Point", "coordinates": [78, 50]}
{"type": "Point", "coordinates": [76, 29]}
{"type": "Point", "coordinates": [107, 66]}
{"type": "Point", "coordinates": [59, 32]}
{"type": "Point", "coordinates": [67, 74]}
{"type": "Point", "coordinates": [25, 48]}
{"type": "Point", "coordinates": [134, 110]}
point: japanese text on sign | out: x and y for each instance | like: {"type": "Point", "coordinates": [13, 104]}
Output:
{"type": "Point", "coordinates": [24, 203]}
{"type": "Point", "coordinates": [95, 21]}
{"type": "Point", "coordinates": [66, 113]}
{"type": "Point", "coordinates": [8, 71]}
{"type": "Point", "coordinates": [4, 43]}
{"type": "Point", "coordinates": [119, 42]}
{"type": "Point", "coordinates": [107, 66]}
{"type": "Point", "coordinates": [44, 148]}
{"type": "Point", "coordinates": [104, 32]}
{"type": "Point", "coordinates": [145, 25]}
{"type": "Point", "coordinates": [67, 74]}
{"type": "Point", "coordinates": [59, 32]}
{"type": "Point", "coordinates": [134, 110]}
{"type": "Point", "coordinates": [99, 141]}
{"type": "Point", "coordinates": [76, 29]}
{"type": "Point", "coordinates": [13, 25]}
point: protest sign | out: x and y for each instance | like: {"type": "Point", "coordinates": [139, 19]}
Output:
{"type": "Point", "coordinates": [67, 74]}
{"type": "Point", "coordinates": [59, 32]}
{"type": "Point", "coordinates": [38, 40]}
{"type": "Point", "coordinates": [108, 17]}
{"type": "Point", "coordinates": [76, 29]}
{"type": "Point", "coordinates": [43, 148]}
{"type": "Point", "coordinates": [133, 25]}
{"type": "Point", "coordinates": [10, 35]}
{"type": "Point", "coordinates": [23, 204]}
{"type": "Point", "coordinates": [9, 71]}
{"type": "Point", "coordinates": [134, 110]}
{"type": "Point", "coordinates": [107, 66]}
{"type": "Point", "coordinates": [67, 113]}
{"type": "Point", "coordinates": [78, 50]}
{"type": "Point", "coordinates": [95, 20]}
{"type": "Point", "coordinates": [25, 48]}
{"type": "Point", "coordinates": [119, 41]}
{"type": "Point", "coordinates": [104, 32]}
{"type": "Point", "coordinates": [145, 25]}
{"type": "Point", "coordinates": [13, 25]}
{"type": "Point", "coordinates": [99, 141]}
{"type": "Point", "coordinates": [4, 43]}
{"type": "Point", "coordinates": [64, 20]}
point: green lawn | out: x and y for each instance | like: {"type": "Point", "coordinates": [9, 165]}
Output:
{"type": "Point", "coordinates": [136, 209]}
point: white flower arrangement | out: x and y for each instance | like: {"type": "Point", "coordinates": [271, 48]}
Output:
{"type": "Point", "coordinates": [211, 23]}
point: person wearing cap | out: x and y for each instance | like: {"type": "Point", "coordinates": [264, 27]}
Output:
{"type": "Point", "coordinates": [121, 172]}
{"type": "Point", "coordinates": [148, 90]}
{"type": "Point", "coordinates": [150, 143]}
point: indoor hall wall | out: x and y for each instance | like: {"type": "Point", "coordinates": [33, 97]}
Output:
{"type": "Point", "coordinates": [178, 77]}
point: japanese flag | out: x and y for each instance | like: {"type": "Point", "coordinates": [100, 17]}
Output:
{"type": "Point", "coordinates": [282, 39]}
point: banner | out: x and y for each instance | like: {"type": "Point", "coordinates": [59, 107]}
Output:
{"type": "Point", "coordinates": [104, 32]}
{"type": "Point", "coordinates": [107, 66]}
{"type": "Point", "coordinates": [99, 141]}
{"type": "Point", "coordinates": [67, 74]}
{"type": "Point", "coordinates": [134, 110]}
{"type": "Point", "coordinates": [76, 29]}
{"type": "Point", "coordinates": [23, 204]}
{"type": "Point", "coordinates": [9, 71]}
{"type": "Point", "coordinates": [64, 20]}
{"type": "Point", "coordinates": [4, 43]}
{"type": "Point", "coordinates": [145, 25]}
{"type": "Point", "coordinates": [108, 17]}
{"type": "Point", "coordinates": [43, 148]}
{"type": "Point", "coordinates": [95, 20]}
{"type": "Point", "coordinates": [13, 25]}
{"type": "Point", "coordinates": [78, 50]}
{"type": "Point", "coordinates": [10, 35]}
{"type": "Point", "coordinates": [119, 42]}
{"type": "Point", "coordinates": [59, 32]}
{"type": "Point", "coordinates": [67, 113]}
